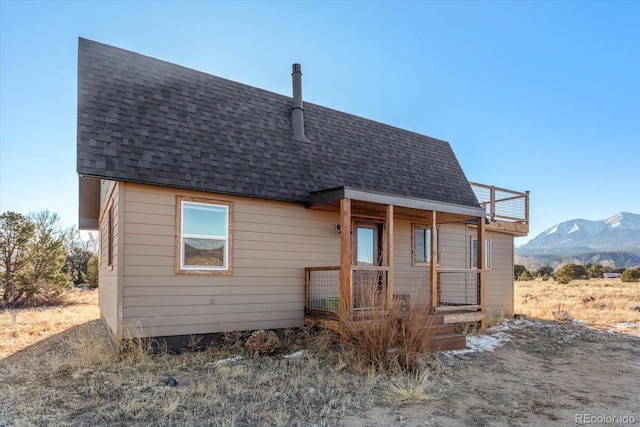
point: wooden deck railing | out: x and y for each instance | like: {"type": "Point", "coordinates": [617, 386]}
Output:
{"type": "Point", "coordinates": [506, 209]}
{"type": "Point", "coordinates": [321, 290]}
{"type": "Point", "coordinates": [369, 287]}
{"type": "Point", "coordinates": [458, 289]}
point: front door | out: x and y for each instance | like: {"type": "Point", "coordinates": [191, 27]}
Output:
{"type": "Point", "coordinates": [369, 282]}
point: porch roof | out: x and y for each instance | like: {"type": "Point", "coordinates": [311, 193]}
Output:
{"type": "Point", "coordinates": [332, 195]}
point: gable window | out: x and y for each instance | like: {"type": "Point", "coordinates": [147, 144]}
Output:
{"type": "Point", "coordinates": [422, 245]}
{"type": "Point", "coordinates": [474, 253]}
{"type": "Point", "coordinates": [204, 236]}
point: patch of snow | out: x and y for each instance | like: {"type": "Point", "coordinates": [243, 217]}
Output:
{"type": "Point", "coordinates": [623, 325]}
{"type": "Point", "coordinates": [484, 342]}
{"type": "Point", "coordinates": [295, 355]}
{"type": "Point", "coordinates": [228, 360]}
{"type": "Point", "coordinates": [553, 229]}
{"type": "Point", "coordinates": [574, 228]}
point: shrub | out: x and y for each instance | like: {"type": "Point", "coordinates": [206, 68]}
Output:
{"type": "Point", "coordinates": [387, 338]}
{"type": "Point", "coordinates": [544, 270]}
{"type": "Point", "coordinates": [263, 342]}
{"type": "Point", "coordinates": [91, 278]}
{"type": "Point", "coordinates": [631, 275]}
{"type": "Point", "coordinates": [545, 277]}
{"type": "Point", "coordinates": [564, 274]}
{"type": "Point", "coordinates": [518, 270]}
{"type": "Point", "coordinates": [594, 271]}
{"type": "Point", "coordinates": [525, 276]}
{"type": "Point", "coordinates": [569, 272]}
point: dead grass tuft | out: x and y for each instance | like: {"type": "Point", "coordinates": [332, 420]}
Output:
{"type": "Point", "coordinates": [411, 388]}
{"type": "Point", "coordinates": [385, 338]}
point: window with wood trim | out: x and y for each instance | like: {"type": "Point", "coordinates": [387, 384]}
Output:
{"type": "Point", "coordinates": [474, 253]}
{"type": "Point", "coordinates": [421, 245]}
{"type": "Point", "coordinates": [110, 237]}
{"type": "Point", "coordinates": [204, 237]}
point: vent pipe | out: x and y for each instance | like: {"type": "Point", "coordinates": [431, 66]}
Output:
{"type": "Point", "coordinates": [297, 112]}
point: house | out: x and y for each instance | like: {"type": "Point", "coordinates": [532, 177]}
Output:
{"type": "Point", "coordinates": [224, 207]}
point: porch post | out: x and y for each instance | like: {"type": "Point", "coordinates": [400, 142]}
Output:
{"type": "Point", "coordinates": [433, 271]}
{"type": "Point", "coordinates": [390, 256]}
{"type": "Point", "coordinates": [345, 294]}
{"type": "Point", "coordinates": [481, 266]}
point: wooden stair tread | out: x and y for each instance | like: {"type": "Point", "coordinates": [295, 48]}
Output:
{"type": "Point", "coordinates": [450, 341]}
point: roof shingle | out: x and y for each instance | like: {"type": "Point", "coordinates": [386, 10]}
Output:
{"type": "Point", "coordinates": [145, 120]}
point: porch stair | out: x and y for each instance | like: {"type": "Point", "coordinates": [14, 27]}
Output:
{"type": "Point", "coordinates": [441, 335]}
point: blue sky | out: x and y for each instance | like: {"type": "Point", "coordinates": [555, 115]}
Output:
{"type": "Point", "coordinates": [539, 96]}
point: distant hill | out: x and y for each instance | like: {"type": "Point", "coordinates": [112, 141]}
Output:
{"type": "Point", "coordinates": [613, 241]}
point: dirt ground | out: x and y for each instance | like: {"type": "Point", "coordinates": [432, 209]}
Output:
{"type": "Point", "coordinates": [547, 374]}
{"type": "Point", "coordinates": [58, 367]}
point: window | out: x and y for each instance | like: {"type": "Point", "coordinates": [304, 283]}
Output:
{"type": "Point", "coordinates": [422, 245]}
{"type": "Point", "coordinates": [204, 238]}
{"type": "Point", "coordinates": [474, 253]}
{"type": "Point", "coordinates": [110, 238]}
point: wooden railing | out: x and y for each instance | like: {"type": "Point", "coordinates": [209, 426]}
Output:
{"type": "Point", "coordinates": [322, 287]}
{"type": "Point", "coordinates": [506, 209]}
{"type": "Point", "coordinates": [458, 289]}
{"type": "Point", "coordinates": [369, 288]}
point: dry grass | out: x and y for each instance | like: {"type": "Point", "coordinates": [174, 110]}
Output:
{"type": "Point", "coordinates": [34, 324]}
{"type": "Point", "coordinates": [391, 338]}
{"type": "Point", "coordinates": [601, 303]}
{"type": "Point", "coordinates": [72, 374]}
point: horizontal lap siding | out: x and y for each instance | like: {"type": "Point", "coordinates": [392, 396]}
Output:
{"type": "Point", "coordinates": [272, 244]}
{"type": "Point", "coordinates": [415, 280]}
{"type": "Point", "coordinates": [453, 246]}
{"type": "Point", "coordinates": [499, 279]}
{"type": "Point", "coordinates": [108, 295]}
{"type": "Point", "coordinates": [408, 279]}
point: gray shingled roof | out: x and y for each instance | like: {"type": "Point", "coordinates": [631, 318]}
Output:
{"type": "Point", "coordinates": [145, 120]}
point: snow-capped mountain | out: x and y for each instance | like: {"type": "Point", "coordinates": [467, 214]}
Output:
{"type": "Point", "coordinates": [619, 233]}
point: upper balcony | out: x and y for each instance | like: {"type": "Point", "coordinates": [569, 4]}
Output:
{"type": "Point", "coordinates": [507, 210]}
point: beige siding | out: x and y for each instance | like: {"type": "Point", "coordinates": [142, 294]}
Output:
{"type": "Point", "coordinates": [415, 280]}
{"type": "Point", "coordinates": [108, 291]}
{"type": "Point", "coordinates": [272, 243]}
{"type": "Point", "coordinates": [407, 279]}
{"type": "Point", "coordinates": [499, 278]}
{"type": "Point", "coordinates": [453, 247]}
{"type": "Point", "coordinates": [499, 281]}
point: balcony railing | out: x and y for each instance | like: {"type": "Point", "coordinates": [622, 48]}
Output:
{"type": "Point", "coordinates": [506, 206]}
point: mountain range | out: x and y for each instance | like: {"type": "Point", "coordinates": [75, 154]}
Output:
{"type": "Point", "coordinates": [614, 241]}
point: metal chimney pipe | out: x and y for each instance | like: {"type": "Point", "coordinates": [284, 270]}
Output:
{"type": "Point", "coordinates": [297, 112]}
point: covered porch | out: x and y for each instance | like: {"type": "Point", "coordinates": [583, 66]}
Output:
{"type": "Point", "coordinates": [364, 280]}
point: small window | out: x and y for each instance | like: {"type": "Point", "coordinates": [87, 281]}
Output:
{"type": "Point", "coordinates": [422, 245]}
{"type": "Point", "coordinates": [110, 238]}
{"type": "Point", "coordinates": [474, 253]}
{"type": "Point", "coordinates": [204, 236]}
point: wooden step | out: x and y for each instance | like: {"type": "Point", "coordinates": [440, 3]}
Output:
{"type": "Point", "coordinates": [447, 342]}
{"type": "Point", "coordinates": [434, 330]}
